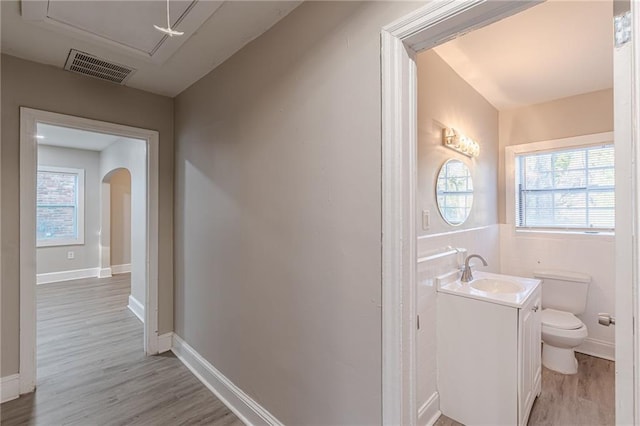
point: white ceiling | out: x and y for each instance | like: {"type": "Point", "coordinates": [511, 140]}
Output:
{"type": "Point", "coordinates": [122, 32]}
{"type": "Point", "coordinates": [554, 50]}
{"type": "Point", "coordinates": [73, 138]}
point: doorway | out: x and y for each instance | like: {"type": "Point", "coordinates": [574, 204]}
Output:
{"type": "Point", "coordinates": [146, 174]}
{"type": "Point", "coordinates": [401, 41]}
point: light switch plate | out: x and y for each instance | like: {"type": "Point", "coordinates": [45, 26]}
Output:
{"type": "Point", "coordinates": [426, 219]}
{"type": "Point", "coordinates": [71, 255]}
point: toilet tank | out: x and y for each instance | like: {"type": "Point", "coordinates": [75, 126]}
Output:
{"type": "Point", "coordinates": [564, 290]}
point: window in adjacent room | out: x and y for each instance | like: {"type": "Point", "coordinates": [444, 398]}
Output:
{"type": "Point", "coordinates": [59, 206]}
{"type": "Point", "coordinates": [569, 188]}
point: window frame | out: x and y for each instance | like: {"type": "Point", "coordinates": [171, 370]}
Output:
{"type": "Point", "coordinates": [80, 175]}
{"type": "Point", "coordinates": [513, 151]}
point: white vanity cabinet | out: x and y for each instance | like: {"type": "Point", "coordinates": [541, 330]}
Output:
{"type": "Point", "coordinates": [529, 355]}
{"type": "Point", "coordinates": [489, 369]}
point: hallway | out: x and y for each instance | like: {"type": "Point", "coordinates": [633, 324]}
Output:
{"type": "Point", "coordinates": [92, 369]}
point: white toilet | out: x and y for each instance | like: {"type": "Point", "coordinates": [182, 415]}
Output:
{"type": "Point", "coordinates": [564, 294]}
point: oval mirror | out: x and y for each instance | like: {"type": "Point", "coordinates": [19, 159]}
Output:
{"type": "Point", "coordinates": [454, 192]}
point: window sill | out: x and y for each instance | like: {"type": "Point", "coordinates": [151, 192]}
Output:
{"type": "Point", "coordinates": [43, 244]}
{"type": "Point", "coordinates": [563, 233]}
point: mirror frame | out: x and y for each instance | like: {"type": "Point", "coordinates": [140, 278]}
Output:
{"type": "Point", "coordinates": [439, 194]}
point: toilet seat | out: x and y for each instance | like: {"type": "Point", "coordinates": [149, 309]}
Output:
{"type": "Point", "coordinates": [560, 319]}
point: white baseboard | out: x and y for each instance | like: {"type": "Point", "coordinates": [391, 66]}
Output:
{"type": "Point", "coordinates": [121, 269]}
{"type": "Point", "coordinates": [598, 348]}
{"type": "Point", "coordinates": [429, 412]}
{"type": "Point", "coordinates": [9, 388]}
{"type": "Point", "coordinates": [136, 307]}
{"type": "Point", "coordinates": [243, 406]}
{"type": "Point", "coordinates": [54, 277]}
{"type": "Point", "coordinates": [165, 342]}
{"type": "Point", "coordinates": [104, 273]}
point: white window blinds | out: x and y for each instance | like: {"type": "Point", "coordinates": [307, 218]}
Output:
{"type": "Point", "coordinates": [569, 189]}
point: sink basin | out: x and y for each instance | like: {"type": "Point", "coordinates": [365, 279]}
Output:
{"type": "Point", "coordinates": [502, 289]}
{"type": "Point", "coordinates": [492, 285]}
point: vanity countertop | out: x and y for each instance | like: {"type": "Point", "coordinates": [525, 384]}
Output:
{"type": "Point", "coordinates": [450, 283]}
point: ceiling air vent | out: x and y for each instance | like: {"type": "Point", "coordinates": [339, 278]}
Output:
{"type": "Point", "coordinates": [87, 64]}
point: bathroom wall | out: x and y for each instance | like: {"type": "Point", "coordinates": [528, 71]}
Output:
{"type": "Point", "coordinates": [445, 99]}
{"type": "Point", "coordinates": [591, 254]}
{"type": "Point", "coordinates": [54, 258]}
{"type": "Point", "coordinates": [561, 118]}
{"type": "Point", "coordinates": [521, 253]}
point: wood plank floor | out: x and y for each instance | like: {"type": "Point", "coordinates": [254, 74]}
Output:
{"type": "Point", "coordinates": [92, 369]}
{"type": "Point", "coordinates": [586, 398]}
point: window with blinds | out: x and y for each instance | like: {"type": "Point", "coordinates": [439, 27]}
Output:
{"type": "Point", "coordinates": [571, 189]}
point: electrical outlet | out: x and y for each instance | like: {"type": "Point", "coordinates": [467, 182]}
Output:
{"type": "Point", "coordinates": [71, 255]}
{"type": "Point", "coordinates": [426, 219]}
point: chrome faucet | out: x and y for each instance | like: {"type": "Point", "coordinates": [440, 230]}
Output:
{"type": "Point", "coordinates": [467, 275]}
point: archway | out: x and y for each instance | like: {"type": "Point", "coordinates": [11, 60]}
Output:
{"type": "Point", "coordinates": [125, 159]}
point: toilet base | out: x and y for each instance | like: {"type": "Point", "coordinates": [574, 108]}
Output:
{"type": "Point", "coordinates": [561, 360]}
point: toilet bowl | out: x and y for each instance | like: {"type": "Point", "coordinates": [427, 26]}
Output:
{"type": "Point", "coordinates": [562, 332]}
{"type": "Point", "coordinates": [564, 295]}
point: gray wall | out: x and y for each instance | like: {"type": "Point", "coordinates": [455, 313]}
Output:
{"type": "Point", "coordinates": [120, 217]}
{"type": "Point", "coordinates": [29, 84]}
{"type": "Point", "coordinates": [130, 154]}
{"type": "Point", "coordinates": [446, 100]}
{"type": "Point", "coordinates": [278, 215]}
{"type": "Point", "coordinates": [54, 259]}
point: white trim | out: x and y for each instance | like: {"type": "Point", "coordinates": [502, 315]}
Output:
{"type": "Point", "coordinates": [29, 118]}
{"type": "Point", "coordinates": [559, 144]}
{"type": "Point", "coordinates": [75, 274]}
{"type": "Point", "coordinates": [560, 234]}
{"type": "Point", "coordinates": [633, 398]}
{"type": "Point", "coordinates": [510, 153]}
{"type": "Point", "coordinates": [28, 166]}
{"type": "Point", "coordinates": [165, 342]}
{"type": "Point", "coordinates": [9, 388]}
{"type": "Point", "coordinates": [424, 28]}
{"type": "Point", "coordinates": [430, 412]}
{"type": "Point", "coordinates": [121, 269]}
{"type": "Point", "coordinates": [136, 307]}
{"type": "Point", "coordinates": [246, 408]}
{"type": "Point", "coordinates": [626, 73]}
{"type": "Point", "coordinates": [456, 231]}
{"type": "Point", "coordinates": [598, 348]}
{"type": "Point", "coordinates": [79, 240]}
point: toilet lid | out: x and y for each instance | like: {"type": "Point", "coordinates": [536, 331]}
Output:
{"type": "Point", "coordinates": [560, 319]}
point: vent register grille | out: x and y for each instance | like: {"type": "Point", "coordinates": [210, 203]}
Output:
{"type": "Point", "coordinates": [87, 64]}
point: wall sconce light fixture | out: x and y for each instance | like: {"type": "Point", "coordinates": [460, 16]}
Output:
{"type": "Point", "coordinates": [451, 138]}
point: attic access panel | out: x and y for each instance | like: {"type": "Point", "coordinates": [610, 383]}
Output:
{"type": "Point", "coordinates": [125, 25]}
{"type": "Point", "coordinates": [129, 23]}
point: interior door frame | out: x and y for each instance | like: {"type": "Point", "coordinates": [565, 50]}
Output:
{"type": "Point", "coordinates": [401, 40]}
{"type": "Point", "coordinates": [627, 136]}
{"type": "Point", "coordinates": [29, 119]}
